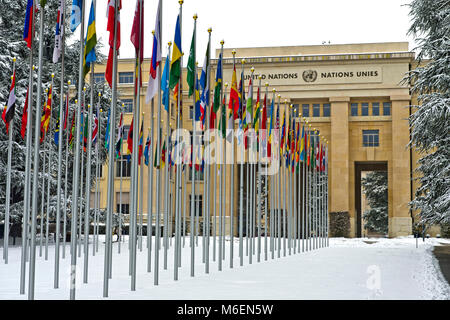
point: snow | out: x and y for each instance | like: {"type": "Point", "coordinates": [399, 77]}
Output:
{"type": "Point", "coordinates": [348, 269]}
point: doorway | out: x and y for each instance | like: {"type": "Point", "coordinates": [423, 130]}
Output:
{"type": "Point", "coordinates": [364, 170]}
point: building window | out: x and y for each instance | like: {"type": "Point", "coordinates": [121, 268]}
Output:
{"type": "Point", "coordinates": [354, 110]}
{"type": "Point", "coordinates": [126, 77]}
{"type": "Point", "coordinates": [126, 130]}
{"type": "Point", "coordinates": [125, 208]}
{"type": "Point", "coordinates": [198, 204]}
{"type": "Point", "coordinates": [199, 175]}
{"type": "Point", "coordinates": [375, 109]}
{"type": "Point", "coordinates": [326, 109]}
{"type": "Point", "coordinates": [305, 110]}
{"type": "Point", "coordinates": [371, 138]}
{"type": "Point", "coordinates": [99, 78]}
{"type": "Point", "coordinates": [365, 109]}
{"type": "Point", "coordinates": [386, 109]}
{"type": "Point", "coordinates": [314, 134]}
{"type": "Point", "coordinates": [191, 112]}
{"type": "Point", "coordinates": [123, 167]}
{"type": "Point", "coordinates": [295, 110]}
{"type": "Point", "coordinates": [316, 110]}
{"type": "Point", "coordinates": [127, 105]}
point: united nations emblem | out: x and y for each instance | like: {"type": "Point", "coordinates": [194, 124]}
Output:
{"type": "Point", "coordinates": [309, 75]}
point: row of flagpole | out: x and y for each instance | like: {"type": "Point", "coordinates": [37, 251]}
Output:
{"type": "Point", "coordinates": [313, 186]}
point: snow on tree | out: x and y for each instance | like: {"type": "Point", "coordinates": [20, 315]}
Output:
{"type": "Point", "coordinates": [430, 123]}
{"type": "Point", "coordinates": [375, 186]}
{"type": "Point", "coordinates": [12, 45]}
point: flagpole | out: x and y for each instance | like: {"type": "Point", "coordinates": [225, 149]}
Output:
{"type": "Point", "coordinates": [194, 159]}
{"type": "Point", "coordinates": [158, 169]}
{"type": "Point", "coordinates": [27, 191]}
{"type": "Point", "coordinates": [141, 190]}
{"type": "Point", "coordinates": [223, 181]}
{"type": "Point", "coordinates": [48, 181]}
{"type": "Point", "coordinates": [32, 274]}
{"type": "Point", "coordinates": [41, 218]}
{"type": "Point", "coordinates": [97, 177]}
{"type": "Point", "coordinates": [112, 136]}
{"type": "Point", "coordinates": [241, 182]}
{"type": "Point", "coordinates": [65, 184]}
{"type": "Point", "coordinates": [8, 180]}
{"type": "Point", "coordinates": [265, 184]}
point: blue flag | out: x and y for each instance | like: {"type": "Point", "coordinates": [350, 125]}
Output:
{"type": "Point", "coordinates": [75, 18]}
{"type": "Point", "coordinates": [165, 84]}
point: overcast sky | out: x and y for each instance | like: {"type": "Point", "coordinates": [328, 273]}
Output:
{"type": "Point", "coordinates": [262, 23]}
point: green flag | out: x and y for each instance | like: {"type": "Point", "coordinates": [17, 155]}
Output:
{"type": "Point", "coordinates": [175, 65]}
{"type": "Point", "coordinates": [191, 65]}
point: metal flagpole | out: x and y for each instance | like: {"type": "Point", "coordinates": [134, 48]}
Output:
{"type": "Point", "coordinates": [302, 184]}
{"type": "Point", "coordinates": [285, 182]}
{"type": "Point", "coordinates": [279, 185]}
{"type": "Point", "coordinates": [150, 191]}
{"type": "Point", "coordinates": [111, 151]}
{"type": "Point", "coordinates": [241, 183]}
{"type": "Point", "coordinates": [223, 181]}
{"type": "Point", "coordinates": [82, 175]}
{"type": "Point", "coordinates": [290, 198]}
{"type": "Point", "coordinates": [221, 165]}
{"type": "Point", "coordinates": [65, 181]}
{"type": "Point", "coordinates": [97, 177]}
{"type": "Point", "coordinates": [258, 189]}
{"type": "Point", "coordinates": [48, 188]}
{"type": "Point", "coordinates": [41, 225]}
{"type": "Point", "coordinates": [194, 136]}
{"type": "Point", "coordinates": [88, 182]}
{"type": "Point", "coordinates": [141, 196]}
{"type": "Point", "coordinates": [263, 177]}
{"type": "Point", "coordinates": [27, 192]}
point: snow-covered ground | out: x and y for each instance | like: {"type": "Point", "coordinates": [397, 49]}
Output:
{"type": "Point", "coordinates": [348, 269]}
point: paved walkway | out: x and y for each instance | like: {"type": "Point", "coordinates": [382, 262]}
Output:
{"type": "Point", "coordinates": [442, 253]}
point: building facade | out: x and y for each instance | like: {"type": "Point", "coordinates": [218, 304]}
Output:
{"type": "Point", "coordinates": [353, 94]}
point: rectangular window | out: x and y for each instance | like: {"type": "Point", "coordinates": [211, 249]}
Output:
{"type": "Point", "coordinates": [326, 109]}
{"type": "Point", "coordinates": [127, 105]}
{"type": "Point", "coordinates": [354, 110]}
{"type": "Point", "coordinates": [198, 204]}
{"type": "Point", "coordinates": [371, 138]}
{"type": "Point", "coordinates": [126, 77]}
{"type": "Point", "coordinates": [295, 110]}
{"type": "Point", "coordinates": [316, 110]}
{"type": "Point", "coordinates": [305, 110]}
{"type": "Point", "coordinates": [125, 208]}
{"type": "Point", "coordinates": [365, 109]}
{"type": "Point", "coordinates": [99, 78]}
{"type": "Point", "coordinates": [191, 112]}
{"type": "Point", "coordinates": [375, 109]}
{"type": "Point", "coordinates": [126, 130]}
{"type": "Point", "coordinates": [123, 167]}
{"type": "Point", "coordinates": [386, 108]}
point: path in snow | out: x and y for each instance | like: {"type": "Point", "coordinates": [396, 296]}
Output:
{"type": "Point", "coordinates": [348, 269]}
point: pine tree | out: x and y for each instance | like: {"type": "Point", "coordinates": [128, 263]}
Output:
{"type": "Point", "coordinates": [375, 186]}
{"type": "Point", "coordinates": [12, 45]}
{"type": "Point", "coordinates": [430, 122]}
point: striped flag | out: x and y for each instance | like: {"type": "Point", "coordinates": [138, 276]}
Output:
{"type": "Point", "coordinates": [147, 150]}
{"type": "Point", "coordinates": [59, 33]}
{"type": "Point", "coordinates": [175, 65]}
{"type": "Point", "coordinates": [165, 84]}
{"type": "Point", "coordinates": [137, 39]}
{"type": "Point", "coordinates": [156, 60]}
{"type": "Point", "coordinates": [141, 141]}
{"type": "Point", "coordinates": [119, 139]}
{"type": "Point", "coordinates": [72, 130]}
{"type": "Point", "coordinates": [28, 30]}
{"type": "Point", "coordinates": [90, 42]}
{"type": "Point", "coordinates": [66, 114]}
{"type": "Point", "coordinates": [23, 130]}
{"type": "Point", "coordinates": [234, 96]}
{"type": "Point", "coordinates": [111, 15]}
{"type": "Point", "coordinates": [95, 129]}
{"type": "Point", "coordinates": [45, 119]}
{"type": "Point", "coordinates": [8, 112]}
{"type": "Point", "coordinates": [75, 18]}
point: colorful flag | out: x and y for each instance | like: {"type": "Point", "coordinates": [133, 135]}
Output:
{"type": "Point", "coordinates": [218, 88]}
{"type": "Point", "coordinates": [59, 33]}
{"type": "Point", "coordinates": [137, 39]}
{"type": "Point", "coordinates": [263, 129]}
{"type": "Point", "coordinates": [56, 135]}
{"type": "Point", "coordinates": [28, 30]}
{"type": "Point", "coordinates": [191, 66]}
{"type": "Point", "coordinates": [95, 129]}
{"type": "Point", "coordinates": [141, 142]}
{"type": "Point", "coordinates": [72, 130]}
{"type": "Point", "coordinates": [302, 146]}
{"type": "Point", "coordinates": [198, 111]}
{"type": "Point", "coordinates": [111, 14]}
{"type": "Point", "coordinates": [270, 142]}
{"type": "Point", "coordinates": [90, 42]}
{"type": "Point", "coordinates": [66, 114]}
{"type": "Point", "coordinates": [175, 65]}
{"type": "Point", "coordinates": [257, 112]}
{"type": "Point", "coordinates": [165, 84]}
{"type": "Point", "coordinates": [107, 131]}
{"type": "Point", "coordinates": [75, 18]}
{"type": "Point", "coordinates": [249, 110]}
{"type": "Point", "coordinates": [147, 150]}
{"type": "Point", "coordinates": [234, 96]}
{"type": "Point", "coordinates": [8, 112]}
{"type": "Point", "coordinates": [119, 139]}
{"type": "Point", "coordinates": [85, 132]}
{"type": "Point", "coordinates": [153, 79]}
{"type": "Point", "coordinates": [205, 85]}
{"type": "Point", "coordinates": [130, 139]}
{"type": "Point", "coordinates": [45, 119]}
{"type": "Point", "coordinates": [23, 130]}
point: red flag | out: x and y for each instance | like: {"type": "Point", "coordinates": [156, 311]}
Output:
{"type": "Point", "coordinates": [130, 139]}
{"type": "Point", "coordinates": [23, 130]}
{"type": "Point", "coordinates": [111, 14]}
{"type": "Point", "coordinates": [234, 96]}
{"type": "Point", "coordinates": [137, 38]}
{"type": "Point", "coordinates": [66, 115]}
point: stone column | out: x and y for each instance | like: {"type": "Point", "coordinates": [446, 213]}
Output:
{"type": "Point", "coordinates": [339, 158]}
{"type": "Point", "coordinates": [400, 222]}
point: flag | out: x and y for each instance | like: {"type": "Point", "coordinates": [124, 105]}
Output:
{"type": "Point", "coordinates": [111, 14]}
{"type": "Point", "coordinates": [107, 131]}
{"type": "Point", "coordinates": [45, 119]}
{"type": "Point", "coordinates": [23, 130]}
{"type": "Point", "coordinates": [130, 139]}
{"type": "Point", "coordinates": [191, 68]}
{"type": "Point", "coordinates": [75, 18]}
{"type": "Point", "coordinates": [90, 42]}
{"type": "Point", "coordinates": [175, 65]}
{"type": "Point", "coordinates": [269, 146]}
{"type": "Point", "coordinates": [156, 60]}
{"type": "Point", "coordinates": [234, 96]}
{"type": "Point", "coordinates": [302, 146]}
{"type": "Point", "coordinates": [137, 39]}
{"type": "Point", "coordinates": [95, 129]}
{"type": "Point", "coordinates": [8, 112]}
{"type": "Point", "coordinates": [147, 150]}
{"type": "Point", "coordinates": [198, 111]}
{"type": "Point", "coordinates": [56, 135]}
{"type": "Point", "coordinates": [218, 88]}
{"type": "Point", "coordinates": [249, 110]}
{"type": "Point", "coordinates": [119, 139]}
{"type": "Point", "coordinates": [72, 130]}
{"type": "Point", "coordinates": [318, 154]}
{"type": "Point", "coordinates": [257, 112]}
{"type": "Point", "coordinates": [165, 84]}
{"type": "Point", "coordinates": [66, 114]}
{"type": "Point", "coordinates": [59, 33]}
{"type": "Point", "coordinates": [141, 141]}
{"type": "Point", "coordinates": [204, 84]}
{"type": "Point", "coordinates": [85, 132]}
{"type": "Point", "coordinates": [163, 155]}
{"type": "Point", "coordinates": [308, 147]}
{"type": "Point", "coordinates": [28, 29]}
{"type": "Point", "coordinates": [263, 129]}
{"type": "Point", "coordinates": [223, 120]}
